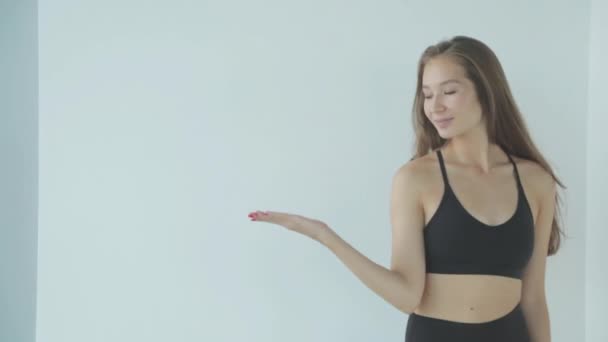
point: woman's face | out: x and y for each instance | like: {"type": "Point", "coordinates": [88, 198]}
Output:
{"type": "Point", "coordinates": [450, 100]}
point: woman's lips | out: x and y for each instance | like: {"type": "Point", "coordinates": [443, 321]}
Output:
{"type": "Point", "coordinates": [443, 123]}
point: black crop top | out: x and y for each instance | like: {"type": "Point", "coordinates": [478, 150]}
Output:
{"type": "Point", "coordinates": [457, 243]}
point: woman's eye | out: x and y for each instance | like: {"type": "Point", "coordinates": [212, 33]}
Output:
{"type": "Point", "coordinates": [447, 93]}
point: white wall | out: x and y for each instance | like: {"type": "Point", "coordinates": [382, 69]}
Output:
{"type": "Point", "coordinates": [162, 124]}
{"type": "Point", "coordinates": [18, 169]}
{"type": "Point", "coordinates": [596, 280]}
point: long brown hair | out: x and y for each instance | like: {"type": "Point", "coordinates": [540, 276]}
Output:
{"type": "Point", "coordinates": [504, 122]}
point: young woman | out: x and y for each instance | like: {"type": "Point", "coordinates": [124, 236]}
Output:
{"type": "Point", "coordinates": [474, 213]}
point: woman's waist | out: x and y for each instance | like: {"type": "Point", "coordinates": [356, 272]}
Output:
{"type": "Point", "coordinates": [468, 298]}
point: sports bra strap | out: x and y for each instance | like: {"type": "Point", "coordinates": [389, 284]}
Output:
{"type": "Point", "coordinates": [516, 171]}
{"type": "Point", "coordinates": [442, 165]}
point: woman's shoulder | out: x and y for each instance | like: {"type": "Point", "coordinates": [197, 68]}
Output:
{"type": "Point", "coordinates": [531, 169]}
{"type": "Point", "coordinates": [418, 169]}
{"type": "Point", "coordinates": [420, 163]}
{"type": "Point", "coordinates": [534, 176]}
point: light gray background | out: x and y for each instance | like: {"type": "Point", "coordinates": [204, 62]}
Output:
{"type": "Point", "coordinates": [593, 223]}
{"type": "Point", "coordinates": [18, 169]}
{"type": "Point", "coordinates": [162, 124]}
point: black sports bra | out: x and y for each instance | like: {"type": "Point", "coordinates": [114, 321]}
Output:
{"type": "Point", "coordinates": [457, 243]}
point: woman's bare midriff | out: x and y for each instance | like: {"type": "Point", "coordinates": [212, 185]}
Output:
{"type": "Point", "coordinates": [468, 298]}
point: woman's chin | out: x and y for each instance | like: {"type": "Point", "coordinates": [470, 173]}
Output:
{"type": "Point", "coordinates": [445, 134]}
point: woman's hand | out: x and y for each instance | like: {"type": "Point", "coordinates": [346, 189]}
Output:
{"type": "Point", "coordinates": [312, 228]}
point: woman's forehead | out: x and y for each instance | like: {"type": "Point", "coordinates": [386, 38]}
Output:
{"type": "Point", "coordinates": [441, 71]}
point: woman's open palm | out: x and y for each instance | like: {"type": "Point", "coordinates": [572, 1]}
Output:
{"type": "Point", "coordinates": [297, 223]}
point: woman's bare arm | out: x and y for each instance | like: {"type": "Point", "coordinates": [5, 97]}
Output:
{"type": "Point", "coordinates": [401, 285]}
{"type": "Point", "coordinates": [389, 285]}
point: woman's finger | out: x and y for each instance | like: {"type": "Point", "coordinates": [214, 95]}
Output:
{"type": "Point", "coordinates": [260, 215]}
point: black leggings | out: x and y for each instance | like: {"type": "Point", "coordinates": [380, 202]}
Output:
{"type": "Point", "coordinates": [508, 328]}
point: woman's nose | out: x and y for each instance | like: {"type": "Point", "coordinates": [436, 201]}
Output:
{"type": "Point", "coordinates": [436, 105]}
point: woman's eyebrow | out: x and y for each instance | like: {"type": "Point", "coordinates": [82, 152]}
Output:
{"type": "Point", "coordinates": [444, 82]}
